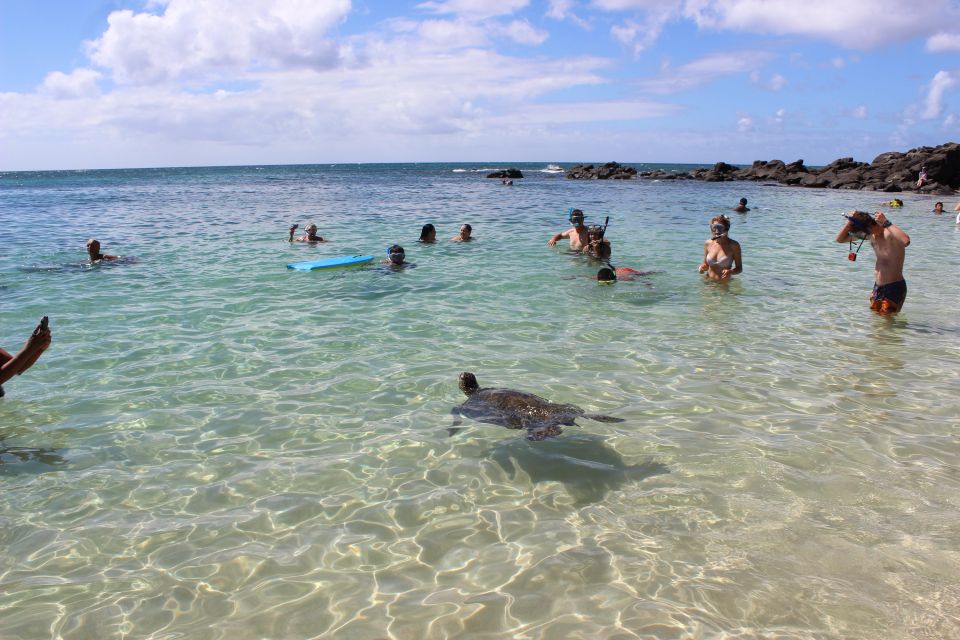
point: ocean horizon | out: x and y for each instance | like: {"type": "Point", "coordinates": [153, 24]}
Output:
{"type": "Point", "coordinates": [218, 446]}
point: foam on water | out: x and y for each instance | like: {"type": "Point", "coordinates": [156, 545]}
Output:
{"type": "Point", "coordinates": [217, 446]}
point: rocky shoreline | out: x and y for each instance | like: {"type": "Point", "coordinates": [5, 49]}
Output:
{"type": "Point", "coordinates": [890, 172]}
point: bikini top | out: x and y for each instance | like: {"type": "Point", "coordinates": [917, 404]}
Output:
{"type": "Point", "coordinates": [725, 263]}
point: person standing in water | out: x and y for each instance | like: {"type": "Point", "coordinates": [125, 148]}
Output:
{"type": "Point", "coordinates": [577, 234]}
{"type": "Point", "coordinates": [310, 234]}
{"type": "Point", "coordinates": [889, 243]}
{"type": "Point", "coordinates": [721, 254]}
{"type": "Point", "coordinates": [742, 207]}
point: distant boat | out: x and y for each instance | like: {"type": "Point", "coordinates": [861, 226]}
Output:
{"type": "Point", "coordinates": [552, 168]}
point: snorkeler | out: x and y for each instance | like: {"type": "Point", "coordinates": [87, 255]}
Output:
{"type": "Point", "coordinates": [93, 250]}
{"type": "Point", "coordinates": [597, 245]}
{"type": "Point", "coordinates": [577, 233]}
{"type": "Point", "coordinates": [310, 234]}
{"type": "Point", "coordinates": [889, 243]}
{"type": "Point", "coordinates": [396, 258]}
{"type": "Point", "coordinates": [720, 252]}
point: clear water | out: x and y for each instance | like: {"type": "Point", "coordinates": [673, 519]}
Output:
{"type": "Point", "coordinates": [218, 447]}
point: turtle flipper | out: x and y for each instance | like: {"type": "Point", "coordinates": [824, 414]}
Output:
{"type": "Point", "coordinates": [454, 428]}
{"type": "Point", "coordinates": [602, 418]}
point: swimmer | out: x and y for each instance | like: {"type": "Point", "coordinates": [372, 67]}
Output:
{"type": "Point", "coordinates": [606, 275]}
{"type": "Point", "coordinates": [720, 252]}
{"type": "Point", "coordinates": [742, 207]}
{"type": "Point", "coordinates": [35, 345]}
{"type": "Point", "coordinates": [938, 208]}
{"type": "Point", "coordinates": [396, 258]}
{"type": "Point", "coordinates": [93, 250]}
{"type": "Point", "coordinates": [896, 203]}
{"type": "Point", "coordinates": [577, 233]}
{"type": "Point", "coordinates": [310, 234]}
{"type": "Point", "coordinates": [889, 243]}
{"type": "Point", "coordinates": [464, 235]}
{"type": "Point", "coordinates": [428, 234]}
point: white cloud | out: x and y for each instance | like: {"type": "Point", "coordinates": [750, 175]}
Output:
{"type": "Point", "coordinates": [706, 69]}
{"type": "Point", "coordinates": [854, 24]}
{"type": "Point", "coordinates": [80, 83]}
{"type": "Point", "coordinates": [942, 42]}
{"type": "Point", "coordinates": [523, 32]}
{"type": "Point", "coordinates": [474, 9]}
{"type": "Point", "coordinates": [217, 37]}
{"type": "Point", "coordinates": [744, 124]}
{"type": "Point", "coordinates": [933, 103]}
{"type": "Point", "coordinates": [449, 34]}
{"type": "Point", "coordinates": [641, 35]}
{"type": "Point", "coordinates": [859, 112]}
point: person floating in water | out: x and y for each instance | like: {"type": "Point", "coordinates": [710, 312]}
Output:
{"type": "Point", "coordinates": [35, 345]}
{"type": "Point", "coordinates": [577, 233]}
{"type": "Point", "coordinates": [428, 234]}
{"type": "Point", "coordinates": [93, 249]}
{"type": "Point", "coordinates": [619, 273]}
{"type": "Point", "coordinates": [720, 252]}
{"type": "Point", "coordinates": [310, 234]}
{"type": "Point", "coordinates": [742, 207]}
{"type": "Point", "coordinates": [889, 243]}
{"type": "Point", "coordinates": [464, 235]}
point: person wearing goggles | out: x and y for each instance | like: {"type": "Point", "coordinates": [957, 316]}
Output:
{"type": "Point", "coordinates": [889, 244]}
{"type": "Point", "coordinates": [577, 234]}
{"type": "Point", "coordinates": [721, 254]}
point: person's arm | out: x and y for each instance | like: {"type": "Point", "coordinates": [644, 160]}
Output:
{"type": "Point", "coordinates": [844, 234]}
{"type": "Point", "coordinates": [726, 273]}
{"type": "Point", "coordinates": [35, 345]}
{"type": "Point", "coordinates": [563, 234]}
{"type": "Point", "coordinates": [894, 230]}
{"type": "Point", "coordinates": [703, 265]}
{"type": "Point", "coordinates": [292, 229]}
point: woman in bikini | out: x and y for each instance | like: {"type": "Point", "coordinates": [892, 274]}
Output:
{"type": "Point", "coordinates": [721, 254]}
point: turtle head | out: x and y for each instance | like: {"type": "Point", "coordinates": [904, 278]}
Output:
{"type": "Point", "coordinates": [468, 383]}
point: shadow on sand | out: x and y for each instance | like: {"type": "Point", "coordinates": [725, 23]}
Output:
{"type": "Point", "coordinates": [584, 463]}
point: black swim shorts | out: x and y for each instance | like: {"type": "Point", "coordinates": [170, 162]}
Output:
{"type": "Point", "coordinates": [895, 292]}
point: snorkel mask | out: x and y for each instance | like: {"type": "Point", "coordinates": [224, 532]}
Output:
{"type": "Point", "coordinates": [858, 229]}
{"type": "Point", "coordinates": [575, 215]}
{"type": "Point", "coordinates": [718, 230]}
{"type": "Point", "coordinates": [396, 254]}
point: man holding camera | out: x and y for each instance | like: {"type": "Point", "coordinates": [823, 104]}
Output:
{"type": "Point", "coordinates": [889, 243]}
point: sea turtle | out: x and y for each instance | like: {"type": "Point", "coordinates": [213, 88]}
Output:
{"type": "Point", "coordinates": [517, 410]}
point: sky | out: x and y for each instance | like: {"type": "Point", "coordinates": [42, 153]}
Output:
{"type": "Point", "coordinates": [88, 84]}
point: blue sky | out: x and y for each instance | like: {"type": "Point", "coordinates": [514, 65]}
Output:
{"type": "Point", "coordinates": [139, 83]}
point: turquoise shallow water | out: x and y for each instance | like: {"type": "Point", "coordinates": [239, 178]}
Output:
{"type": "Point", "coordinates": [216, 446]}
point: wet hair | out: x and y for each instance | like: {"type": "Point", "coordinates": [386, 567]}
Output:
{"type": "Point", "coordinates": [938, 203]}
{"type": "Point", "coordinates": [606, 275]}
{"type": "Point", "coordinates": [395, 248]}
{"type": "Point", "coordinates": [603, 251]}
{"type": "Point", "coordinates": [861, 220]}
{"type": "Point", "coordinates": [743, 201]}
{"type": "Point", "coordinates": [91, 241]}
{"type": "Point", "coordinates": [468, 227]}
{"type": "Point", "coordinates": [426, 231]}
{"type": "Point", "coordinates": [721, 219]}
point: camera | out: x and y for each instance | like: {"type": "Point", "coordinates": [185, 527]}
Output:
{"type": "Point", "coordinates": [852, 257]}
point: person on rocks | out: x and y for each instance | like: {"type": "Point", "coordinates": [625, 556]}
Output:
{"type": "Point", "coordinates": [922, 178]}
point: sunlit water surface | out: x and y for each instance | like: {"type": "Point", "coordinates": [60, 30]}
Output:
{"type": "Point", "coordinates": [216, 446]}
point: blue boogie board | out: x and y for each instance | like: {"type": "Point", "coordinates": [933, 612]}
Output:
{"type": "Point", "coordinates": [330, 263]}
